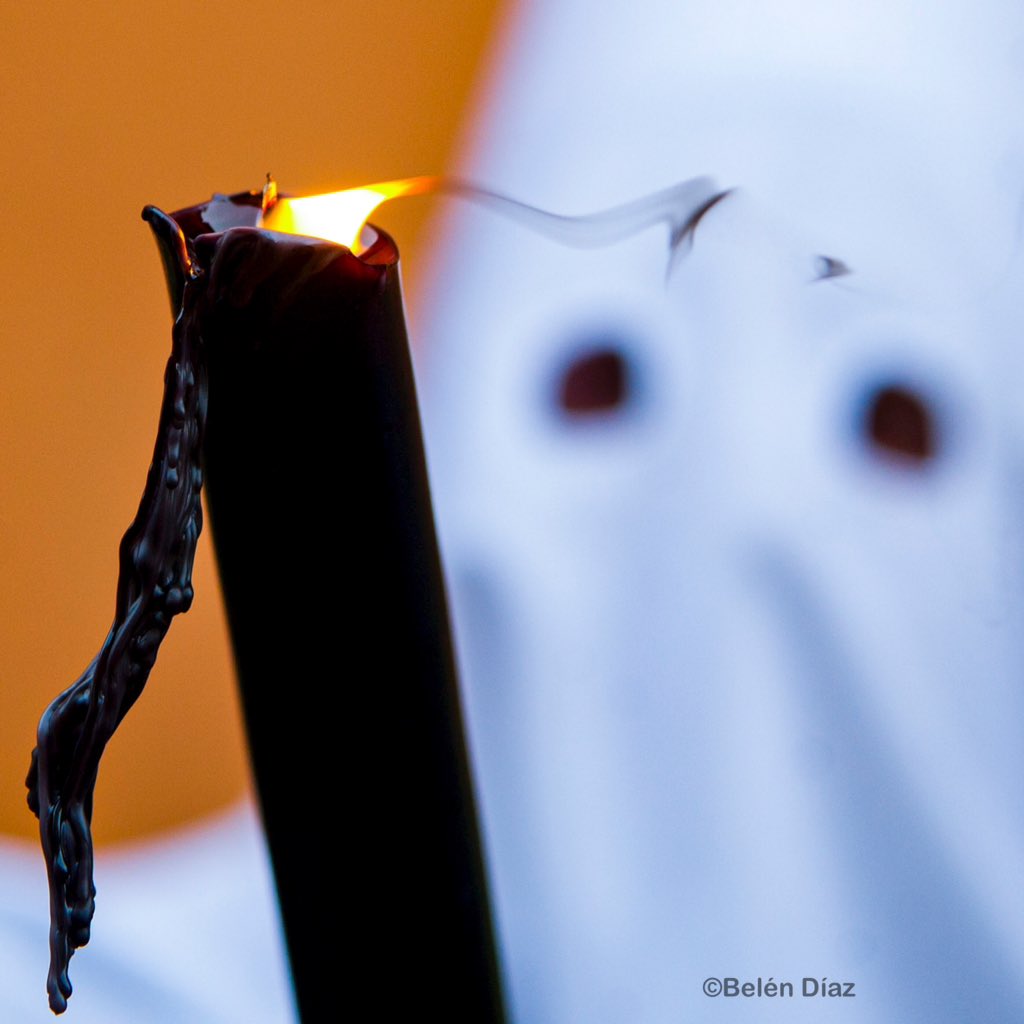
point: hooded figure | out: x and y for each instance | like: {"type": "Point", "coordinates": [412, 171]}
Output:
{"type": "Point", "coordinates": [735, 532]}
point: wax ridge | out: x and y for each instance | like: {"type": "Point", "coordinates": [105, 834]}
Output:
{"type": "Point", "coordinates": [154, 584]}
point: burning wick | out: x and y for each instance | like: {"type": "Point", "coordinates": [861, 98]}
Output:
{"type": "Point", "coordinates": [158, 549]}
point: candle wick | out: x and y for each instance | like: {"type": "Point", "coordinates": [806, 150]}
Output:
{"type": "Point", "coordinates": [269, 194]}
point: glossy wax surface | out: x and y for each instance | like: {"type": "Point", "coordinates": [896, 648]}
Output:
{"type": "Point", "coordinates": [324, 535]}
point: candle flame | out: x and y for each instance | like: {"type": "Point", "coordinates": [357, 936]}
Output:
{"type": "Point", "coordinates": [338, 216]}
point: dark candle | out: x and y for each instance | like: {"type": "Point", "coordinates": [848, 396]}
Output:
{"type": "Point", "coordinates": [322, 524]}
{"type": "Point", "coordinates": [320, 510]}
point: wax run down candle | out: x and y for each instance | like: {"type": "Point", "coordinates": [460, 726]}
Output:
{"type": "Point", "coordinates": [290, 380]}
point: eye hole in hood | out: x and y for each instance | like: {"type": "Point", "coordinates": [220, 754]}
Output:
{"type": "Point", "coordinates": [899, 425]}
{"type": "Point", "coordinates": [596, 381]}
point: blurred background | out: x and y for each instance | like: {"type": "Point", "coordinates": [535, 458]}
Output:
{"type": "Point", "coordinates": [733, 532]}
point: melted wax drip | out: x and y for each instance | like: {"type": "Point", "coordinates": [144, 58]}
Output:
{"type": "Point", "coordinates": [154, 585]}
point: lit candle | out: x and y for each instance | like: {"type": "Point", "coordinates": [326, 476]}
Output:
{"type": "Point", "coordinates": [291, 376]}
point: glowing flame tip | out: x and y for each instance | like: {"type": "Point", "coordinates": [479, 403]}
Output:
{"type": "Point", "coordinates": [339, 216]}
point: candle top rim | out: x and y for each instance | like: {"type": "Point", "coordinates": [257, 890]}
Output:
{"type": "Point", "coordinates": [222, 212]}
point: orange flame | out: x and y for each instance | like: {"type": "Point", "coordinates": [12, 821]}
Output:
{"type": "Point", "coordinates": [338, 216]}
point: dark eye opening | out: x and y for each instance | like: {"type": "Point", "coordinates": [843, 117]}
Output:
{"type": "Point", "coordinates": [596, 381]}
{"type": "Point", "coordinates": [899, 425]}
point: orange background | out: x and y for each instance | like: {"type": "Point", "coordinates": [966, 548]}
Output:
{"type": "Point", "coordinates": [107, 109]}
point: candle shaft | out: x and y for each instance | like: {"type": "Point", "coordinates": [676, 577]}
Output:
{"type": "Point", "coordinates": [320, 512]}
